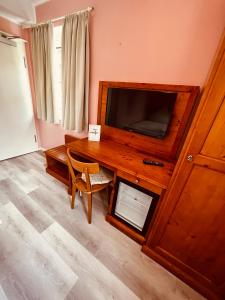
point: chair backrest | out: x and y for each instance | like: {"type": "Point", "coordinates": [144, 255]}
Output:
{"type": "Point", "coordinates": [82, 167]}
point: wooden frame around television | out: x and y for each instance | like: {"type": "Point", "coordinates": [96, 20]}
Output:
{"type": "Point", "coordinates": [167, 147]}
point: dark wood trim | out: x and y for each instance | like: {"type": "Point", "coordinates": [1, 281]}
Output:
{"type": "Point", "coordinates": [147, 86]}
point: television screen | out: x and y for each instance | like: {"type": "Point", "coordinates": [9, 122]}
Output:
{"type": "Point", "coordinates": [143, 111]}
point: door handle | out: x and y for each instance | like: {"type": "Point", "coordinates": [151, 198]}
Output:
{"type": "Point", "coordinates": [189, 157]}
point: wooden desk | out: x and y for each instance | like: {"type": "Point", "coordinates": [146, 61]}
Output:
{"type": "Point", "coordinates": [127, 163]}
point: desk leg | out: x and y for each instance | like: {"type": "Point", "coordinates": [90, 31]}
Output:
{"type": "Point", "coordinates": [112, 193]}
{"type": "Point", "coordinates": [111, 200]}
{"type": "Point", "coordinates": [70, 184]}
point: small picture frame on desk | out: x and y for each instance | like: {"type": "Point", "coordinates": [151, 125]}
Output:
{"type": "Point", "coordinates": [94, 132]}
{"type": "Point", "coordinates": [134, 205]}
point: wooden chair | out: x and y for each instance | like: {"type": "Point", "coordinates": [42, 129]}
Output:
{"type": "Point", "coordinates": [88, 179]}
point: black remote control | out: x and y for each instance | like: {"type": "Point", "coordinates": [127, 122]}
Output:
{"type": "Point", "coordinates": [153, 163]}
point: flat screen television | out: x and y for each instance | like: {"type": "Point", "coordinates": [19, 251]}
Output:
{"type": "Point", "coordinates": [146, 112]}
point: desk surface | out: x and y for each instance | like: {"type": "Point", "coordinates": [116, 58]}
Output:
{"type": "Point", "coordinates": [123, 158]}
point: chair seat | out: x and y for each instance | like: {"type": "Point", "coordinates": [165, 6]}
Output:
{"type": "Point", "coordinates": [104, 176]}
{"type": "Point", "coordinates": [81, 185]}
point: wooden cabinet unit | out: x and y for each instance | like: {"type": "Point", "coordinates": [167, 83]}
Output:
{"type": "Point", "coordinates": [188, 235]}
{"type": "Point", "coordinates": [124, 148]}
{"type": "Point", "coordinates": [56, 161]}
{"type": "Point", "coordinates": [126, 163]}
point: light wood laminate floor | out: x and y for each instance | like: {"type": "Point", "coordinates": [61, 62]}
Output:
{"type": "Point", "coordinates": [48, 251]}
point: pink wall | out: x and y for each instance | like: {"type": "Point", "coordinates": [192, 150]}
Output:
{"type": "Point", "coordinates": [10, 27]}
{"type": "Point", "coordinates": [143, 41]}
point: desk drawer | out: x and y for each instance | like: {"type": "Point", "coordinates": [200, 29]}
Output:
{"type": "Point", "coordinates": [140, 182]}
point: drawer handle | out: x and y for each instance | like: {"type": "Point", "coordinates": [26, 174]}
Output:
{"type": "Point", "coordinates": [137, 181]}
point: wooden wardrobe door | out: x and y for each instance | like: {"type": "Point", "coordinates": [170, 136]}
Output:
{"type": "Point", "coordinates": [188, 235]}
{"type": "Point", "coordinates": [214, 145]}
{"type": "Point", "coordinates": [195, 233]}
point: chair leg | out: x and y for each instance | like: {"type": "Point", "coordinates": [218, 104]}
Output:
{"type": "Point", "coordinates": [89, 207]}
{"type": "Point", "coordinates": [73, 196]}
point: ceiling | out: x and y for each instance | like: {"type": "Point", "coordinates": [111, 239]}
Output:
{"type": "Point", "coordinates": [20, 11]}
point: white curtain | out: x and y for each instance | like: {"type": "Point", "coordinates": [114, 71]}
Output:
{"type": "Point", "coordinates": [75, 72]}
{"type": "Point", "coordinates": [42, 56]}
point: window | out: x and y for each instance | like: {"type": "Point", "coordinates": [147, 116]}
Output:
{"type": "Point", "coordinates": [57, 72]}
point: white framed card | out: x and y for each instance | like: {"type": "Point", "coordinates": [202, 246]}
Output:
{"type": "Point", "coordinates": [94, 132]}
